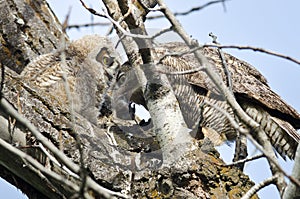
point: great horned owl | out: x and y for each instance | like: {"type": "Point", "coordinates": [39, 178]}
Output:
{"type": "Point", "coordinates": [276, 118]}
{"type": "Point", "coordinates": [90, 65]}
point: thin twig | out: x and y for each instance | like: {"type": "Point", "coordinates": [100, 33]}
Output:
{"type": "Point", "coordinates": [110, 30]}
{"type": "Point", "coordinates": [184, 72]}
{"type": "Point", "coordinates": [126, 33]}
{"type": "Point", "coordinates": [256, 49]}
{"type": "Point", "coordinates": [194, 9]}
{"type": "Point", "coordinates": [66, 21]}
{"type": "Point", "coordinates": [246, 160]}
{"type": "Point", "coordinates": [224, 63]}
{"type": "Point", "coordinates": [2, 79]}
{"type": "Point", "coordinates": [54, 160]}
{"type": "Point", "coordinates": [106, 15]}
{"type": "Point", "coordinates": [159, 33]}
{"type": "Point", "coordinates": [11, 128]}
{"type": "Point", "coordinates": [226, 70]}
{"type": "Point", "coordinates": [77, 26]}
{"type": "Point", "coordinates": [63, 65]}
{"type": "Point", "coordinates": [259, 186]}
{"type": "Point", "coordinates": [261, 149]}
{"type": "Point", "coordinates": [177, 54]}
{"type": "Point", "coordinates": [232, 121]}
{"type": "Point", "coordinates": [91, 10]}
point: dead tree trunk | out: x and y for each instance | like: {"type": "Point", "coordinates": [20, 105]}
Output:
{"type": "Point", "coordinates": [29, 29]}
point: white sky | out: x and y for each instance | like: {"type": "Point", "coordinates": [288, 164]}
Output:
{"type": "Point", "coordinates": [273, 25]}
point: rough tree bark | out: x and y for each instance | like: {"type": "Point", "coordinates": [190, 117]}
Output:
{"type": "Point", "coordinates": [29, 29]}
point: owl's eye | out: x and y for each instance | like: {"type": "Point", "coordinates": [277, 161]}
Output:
{"type": "Point", "coordinates": [104, 57]}
{"type": "Point", "coordinates": [106, 60]}
{"type": "Point", "coordinates": [121, 78]}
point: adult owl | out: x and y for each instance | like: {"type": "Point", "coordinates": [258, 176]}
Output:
{"type": "Point", "coordinates": [198, 97]}
{"type": "Point", "coordinates": [90, 64]}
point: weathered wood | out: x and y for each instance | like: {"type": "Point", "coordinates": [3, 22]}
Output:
{"type": "Point", "coordinates": [28, 29]}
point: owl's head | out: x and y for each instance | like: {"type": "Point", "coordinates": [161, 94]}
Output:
{"type": "Point", "coordinates": [99, 53]}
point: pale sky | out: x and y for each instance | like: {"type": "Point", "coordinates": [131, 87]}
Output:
{"type": "Point", "coordinates": [273, 25]}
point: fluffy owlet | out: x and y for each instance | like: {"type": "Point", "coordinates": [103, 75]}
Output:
{"type": "Point", "coordinates": [276, 118]}
{"type": "Point", "coordinates": [90, 64]}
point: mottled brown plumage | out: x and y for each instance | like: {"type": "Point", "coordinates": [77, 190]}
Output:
{"type": "Point", "coordinates": [90, 63]}
{"type": "Point", "coordinates": [278, 119]}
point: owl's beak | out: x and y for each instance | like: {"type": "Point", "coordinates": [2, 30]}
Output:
{"type": "Point", "coordinates": [112, 70]}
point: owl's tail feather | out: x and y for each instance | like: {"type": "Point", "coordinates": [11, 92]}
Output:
{"type": "Point", "coordinates": [282, 135]}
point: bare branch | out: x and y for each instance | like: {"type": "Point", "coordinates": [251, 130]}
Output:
{"type": "Point", "coordinates": [241, 140]}
{"type": "Point", "coordinates": [117, 24]}
{"type": "Point", "coordinates": [265, 152]}
{"type": "Point", "coordinates": [91, 10]}
{"type": "Point", "coordinates": [126, 33]}
{"type": "Point", "coordinates": [254, 142]}
{"type": "Point", "coordinates": [231, 120]}
{"type": "Point", "coordinates": [256, 49]}
{"type": "Point", "coordinates": [2, 79]}
{"type": "Point", "coordinates": [177, 54]}
{"type": "Point", "coordinates": [246, 160]}
{"type": "Point", "coordinates": [184, 72]}
{"type": "Point", "coordinates": [225, 66]}
{"type": "Point", "coordinates": [191, 10]}
{"type": "Point", "coordinates": [77, 26]}
{"type": "Point", "coordinates": [259, 186]}
{"type": "Point", "coordinates": [159, 33]}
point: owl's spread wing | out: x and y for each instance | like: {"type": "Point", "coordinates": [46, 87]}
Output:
{"type": "Point", "coordinates": [248, 83]}
{"type": "Point", "coordinates": [275, 117]}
